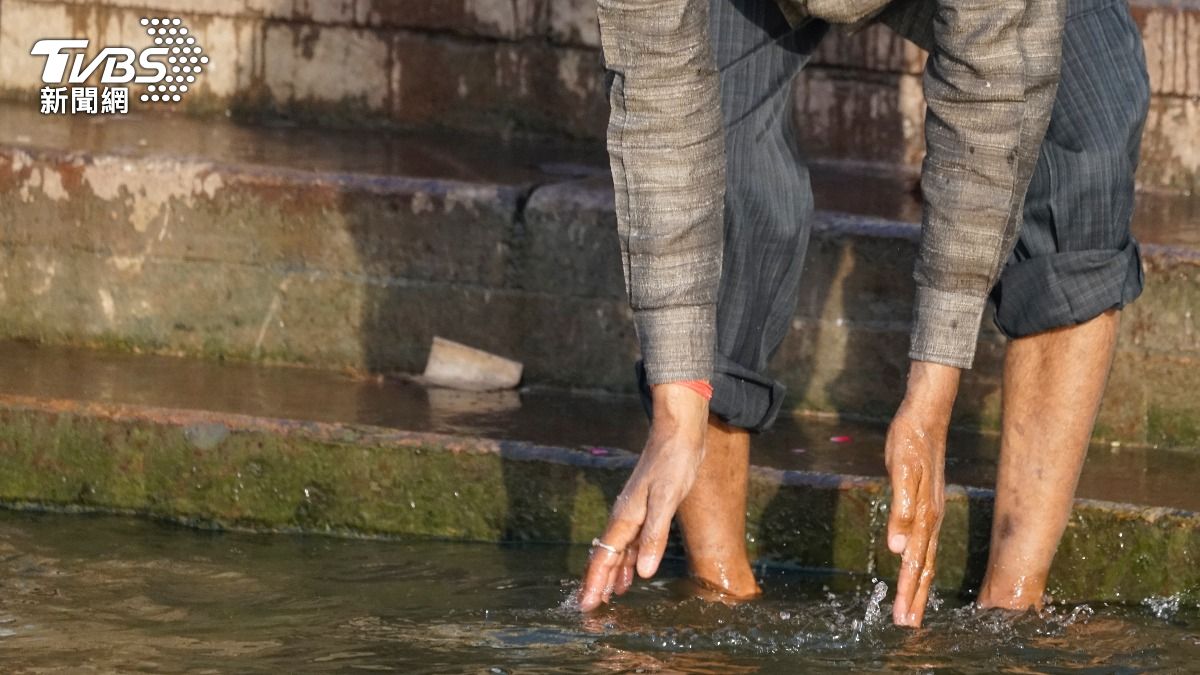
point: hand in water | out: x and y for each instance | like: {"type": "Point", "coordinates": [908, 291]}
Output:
{"type": "Point", "coordinates": [916, 459]}
{"type": "Point", "coordinates": [641, 518]}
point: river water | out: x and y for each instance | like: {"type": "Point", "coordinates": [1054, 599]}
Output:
{"type": "Point", "coordinates": [82, 593]}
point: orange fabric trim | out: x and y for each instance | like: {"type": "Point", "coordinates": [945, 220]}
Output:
{"type": "Point", "coordinates": [701, 387]}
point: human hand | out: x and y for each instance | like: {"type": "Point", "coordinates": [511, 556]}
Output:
{"type": "Point", "coordinates": [916, 458]}
{"type": "Point", "coordinates": [636, 536]}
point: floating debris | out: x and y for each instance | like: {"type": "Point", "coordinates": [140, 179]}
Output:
{"type": "Point", "coordinates": [458, 366]}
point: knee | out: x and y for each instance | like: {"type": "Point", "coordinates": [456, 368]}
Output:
{"type": "Point", "coordinates": [1108, 156]}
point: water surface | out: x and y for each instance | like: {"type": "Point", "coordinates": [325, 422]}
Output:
{"type": "Point", "coordinates": [107, 594]}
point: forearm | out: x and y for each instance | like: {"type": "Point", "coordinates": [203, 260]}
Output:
{"type": "Point", "coordinates": [666, 147]}
{"type": "Point", "coordinates": [989, 85]}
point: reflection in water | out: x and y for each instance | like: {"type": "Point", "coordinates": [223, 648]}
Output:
{"type": "Point", "coordinates": [108, 594]}
{"type": "Point", "coordinates": [1149, 476]}
{"type": "Point", "coordinates": [459, 412]}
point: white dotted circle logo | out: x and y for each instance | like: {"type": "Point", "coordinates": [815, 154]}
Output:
{"type": "Point", "coordinates": [185, 61]}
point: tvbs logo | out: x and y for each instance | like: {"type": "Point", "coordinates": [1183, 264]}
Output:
{"type": "Point", "coordinates": [167, 70]}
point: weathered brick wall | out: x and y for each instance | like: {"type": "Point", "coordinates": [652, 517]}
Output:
{"type": "Point", "coordinates": [1171, 145]}
{"type": "Point", "coordinates": [533, 66]}
{"type": "Point", "coordinates": [493, 65]}
{"type": "Point", "coordinates": [876, 76]}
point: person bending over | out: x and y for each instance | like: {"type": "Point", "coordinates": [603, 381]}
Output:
{"type": "Point", "coordinates": [714, 210]}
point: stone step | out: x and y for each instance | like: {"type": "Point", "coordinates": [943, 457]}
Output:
{"type": "Point", "coordinates": [354, 249]}
{"type": "Point", "coordinates": [250, 447]}
{"type": "Point", "coordinates": [534, 67]}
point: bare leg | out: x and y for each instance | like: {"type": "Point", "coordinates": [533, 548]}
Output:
{"type": "Point", "coordinates": [713, 515]}
{"type": "Point", "coordinates": [1053, 383]}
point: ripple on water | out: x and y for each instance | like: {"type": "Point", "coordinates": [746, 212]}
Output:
{"type": "Point", "coordinates": [119, 595]}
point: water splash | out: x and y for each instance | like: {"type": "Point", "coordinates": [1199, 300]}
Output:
{"type": "Point", "coordinates": [935, 601]}
{"type": "Point", "coordinates": [1164, 608]}
{"type": "Point", "coordinates": [874, 613]}
{"type": "Point", "coordinates": [1079, 614]}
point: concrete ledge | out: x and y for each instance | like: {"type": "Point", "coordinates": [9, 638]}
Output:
{"type": "Point", "coordinates": [235, 247]}
{"type": "Point", "coordinates": [237, 471]}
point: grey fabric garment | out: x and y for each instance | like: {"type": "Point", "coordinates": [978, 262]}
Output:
{"type": "Point", "coordinates": [668, 165]}
{"type": "Point", "coordinates": [971, 129]}
{"type": "Point", "coordinates": [768, 203]}
{"type": "Point", "coordinates": [1076, 257]}
{"type": "Point", "coordinates": [1077, 211]}
{"type": "Point", "coordinates": [989, 87]}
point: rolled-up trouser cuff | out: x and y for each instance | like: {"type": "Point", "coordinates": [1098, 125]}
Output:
{"type": "Point", "coordinates": [677, 342]}
{"type": "Point", "coordinates": [1066, 289]}
{"type": "Point", "coordinates": [945, 327]}
{"type": "Point", "coordinates": [741, 397]}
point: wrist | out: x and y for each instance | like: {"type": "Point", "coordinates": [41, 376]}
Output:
{"type": "Point", "coordinates": [678, 403]}
{"type": "Point", "coordinates": [930, 394]}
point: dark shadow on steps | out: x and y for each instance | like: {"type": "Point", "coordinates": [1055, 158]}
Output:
{"type": "Point", "coordinates": [799, 529]}
{"type": "Point", "coordinates": [443, 243]}
{"type": "Point", "coordinates": [979, 534]}
{"type": "Point", "coordinates": [847, 356]}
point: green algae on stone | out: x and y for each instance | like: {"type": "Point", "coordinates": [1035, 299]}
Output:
{"type": "Point", "coordinates": [235, 471]}
{"type": "Point", "coordinates": [1112, 553]}
{"type": "Point", "coordinates": [69, 460]}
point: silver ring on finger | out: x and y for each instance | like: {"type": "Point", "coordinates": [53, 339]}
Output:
{"type": "Point", "coordinates": [596, 543]}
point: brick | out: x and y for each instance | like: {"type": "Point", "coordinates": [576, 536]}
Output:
{"type": "Point", "coordinates": [570, 241]}
{"type": "Point", "coordinates": [310, 64]}
{"type": "Point", "coordinates": [1170, 155]}
{"type": "Point", "coordinates": [574, 22]}
{"type": "Point", "coordinates": [856, 115]}
{"type": "Point", "coordinates": [498, 87]}
{"type": "Point", "coordinates": [1164, 320]}
{"type": "Point", "coordinates": [1172, 38]}
{"type": "Point", "coordinates": [875, 48]}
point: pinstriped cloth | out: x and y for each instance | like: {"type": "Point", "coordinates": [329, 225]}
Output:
{"type": "Point", "coordinates": [1075, 256]}
{"type": "Point", "coordinates": [989, 84]}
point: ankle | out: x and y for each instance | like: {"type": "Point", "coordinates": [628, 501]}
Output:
{"type": "Point", "coordinates": [734, 579]}
{"type": "Point", "coordinates": [723, 568]}
{"type": "Point", "coordinates": [1019, 594]}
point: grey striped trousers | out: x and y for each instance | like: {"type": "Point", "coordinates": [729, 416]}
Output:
{"type": "Point", "coordinates": [1075, 258]}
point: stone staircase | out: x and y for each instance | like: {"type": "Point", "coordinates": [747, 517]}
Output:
{"type": "Point", "coordinates": [243, 243]}
{"type": "Point", "coordinates": [251, 447]}
{"type": "Point", "coordinates": [353, 177]}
